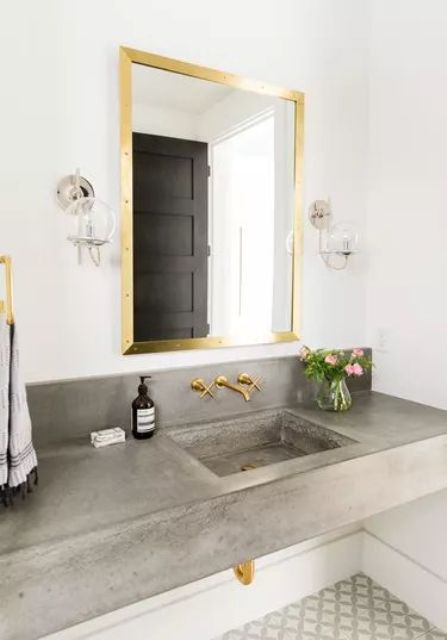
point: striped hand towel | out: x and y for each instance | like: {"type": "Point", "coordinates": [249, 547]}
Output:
{"type": "Point", "coordinates": [17, 455]}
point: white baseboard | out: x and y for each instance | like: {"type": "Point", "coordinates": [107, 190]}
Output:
{"type": "Point", "coordinates": [209, 607]}
{"type": "Point", "coordinates": [413, 583]}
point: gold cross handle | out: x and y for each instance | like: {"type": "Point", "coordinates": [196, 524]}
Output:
{"type": "Point", "coordinates": [199, 385]}
{"type": "Point", "coordinates": [244, 378]}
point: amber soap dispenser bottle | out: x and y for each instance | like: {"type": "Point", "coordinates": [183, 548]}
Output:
{"type": "Point", "coordinates": [143, 413]}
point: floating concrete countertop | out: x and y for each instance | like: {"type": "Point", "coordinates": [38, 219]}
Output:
{"type": "Point", "coordinates": [108, 527]}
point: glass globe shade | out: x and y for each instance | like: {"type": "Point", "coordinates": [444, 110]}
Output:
{"type": "Point", "coordinates": [93, 222]}
{"type": "Point", "coordinates": [342, 239]}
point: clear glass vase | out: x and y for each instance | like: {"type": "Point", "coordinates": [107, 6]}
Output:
{"type": "Point", "coordinates": [334, 395]}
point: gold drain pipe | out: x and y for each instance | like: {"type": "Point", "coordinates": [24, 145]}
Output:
{"type": "Point", "coordinates": [245, 572]}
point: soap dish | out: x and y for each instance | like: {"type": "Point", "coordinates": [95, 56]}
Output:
{"type": "Point", "coordinates": [104, 437]}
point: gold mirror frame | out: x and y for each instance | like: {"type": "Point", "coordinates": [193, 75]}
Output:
{"type": "Point", "coordinates": [127, 57]}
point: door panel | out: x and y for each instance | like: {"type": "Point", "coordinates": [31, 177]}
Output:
{"type": "Point", "coordinates": [170, 237]}
{"type": "Point", "coordinates": [165, 235]}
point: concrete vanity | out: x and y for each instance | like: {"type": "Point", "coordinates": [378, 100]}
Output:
{"type": "Point", "coordinates": [112, 526]}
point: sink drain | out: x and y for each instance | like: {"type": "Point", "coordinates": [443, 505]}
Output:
{"type": "Point", "coordinates": [247, 467]}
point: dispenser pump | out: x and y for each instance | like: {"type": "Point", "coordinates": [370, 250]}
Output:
{"type": "Point", "coordinates": [143, 412]}
{"type": "Point", "coordinates": [142, 387]}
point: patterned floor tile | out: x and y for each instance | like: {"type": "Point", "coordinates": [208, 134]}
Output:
{"type": "Point", "coordinates": [354, 609]}
{"type": "Point", "coordinates": [285, 624]}
{"type": "Point", "coordinates": [376, 614]}
{"type": "Point", "coordinates": [349, 602]}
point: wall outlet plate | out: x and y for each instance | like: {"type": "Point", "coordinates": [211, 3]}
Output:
{"type": "Point", "coordinates": [383, 339]}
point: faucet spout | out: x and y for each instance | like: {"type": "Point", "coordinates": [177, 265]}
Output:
{"type": "Point", "coordinates": [222, 381]}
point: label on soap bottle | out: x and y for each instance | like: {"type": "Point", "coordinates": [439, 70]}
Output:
{"type": "Point", "coordinates": [145, 420]}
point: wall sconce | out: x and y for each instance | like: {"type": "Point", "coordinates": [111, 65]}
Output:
{"type": "Point", "coordinates": [94, 221]}
{"type": "Point", "coordinates": [336, 242]}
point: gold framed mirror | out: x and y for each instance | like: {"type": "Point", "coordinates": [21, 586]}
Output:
{"type": "Point", "coordinates": [211, 175]}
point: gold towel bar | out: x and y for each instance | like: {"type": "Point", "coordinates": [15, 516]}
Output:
{"type": "Point", "coordinates": [6, 260]}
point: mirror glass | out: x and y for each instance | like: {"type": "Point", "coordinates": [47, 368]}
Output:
{"type": "Point", "coordinates": [213, 209]}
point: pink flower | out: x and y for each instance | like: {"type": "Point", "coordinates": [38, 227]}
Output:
{"type": "Point", "coordinates": [350, 369]}
{"type": "Point", "coordinates": [303, 353]}
{"type": "Point", "coordinates": [357, 369]}
{"type": "Point", "coordinates": [331, 359]}
{"type": "Point", "coordinates": [357, 353]}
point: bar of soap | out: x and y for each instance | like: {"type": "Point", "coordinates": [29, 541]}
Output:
{"type": "Point", "coordinates": [104, 437]}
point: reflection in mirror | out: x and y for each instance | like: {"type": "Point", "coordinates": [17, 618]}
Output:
{"type": "Point", "coordinates": [214, 204]}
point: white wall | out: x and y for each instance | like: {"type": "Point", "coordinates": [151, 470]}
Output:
{"type": "Point", "coordinates": [242, 184]}
{"type": "Point", "coordinates": [407, 213]}
{"type": "Point", "coordinates": [229, 113]}
{"type": "Point", "coordinates": [60, 110]}
{"type": "Point", "coordinates": [163, 122]}
{"type": "Point", "coordinates": [407, 229]}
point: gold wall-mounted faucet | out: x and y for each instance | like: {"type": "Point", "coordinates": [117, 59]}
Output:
{"type": "Point", "coordinates": [252, 383]}
{"type": "Point", "coordinates": [222, 381]}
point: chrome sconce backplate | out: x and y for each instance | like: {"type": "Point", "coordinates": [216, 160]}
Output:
{"type": "Point", "coordinates": [71, 188]}
{"type": "Point", "coordinates": [336, 242]}
{"type": "Point", "coordinates": [320, 214]}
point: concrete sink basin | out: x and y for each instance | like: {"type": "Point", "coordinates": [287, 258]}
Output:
{"type": "Point", "coordinates": [257, 440]}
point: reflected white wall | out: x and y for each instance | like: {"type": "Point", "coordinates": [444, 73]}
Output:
{"type": "Point", "coordinates": [242, 245]}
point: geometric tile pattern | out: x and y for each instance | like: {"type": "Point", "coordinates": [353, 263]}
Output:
{"type": "Point", "coordinates": [354, 609]}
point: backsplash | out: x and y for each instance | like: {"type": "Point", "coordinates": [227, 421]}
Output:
{"type": "Point", "coordinates": [73, 408]}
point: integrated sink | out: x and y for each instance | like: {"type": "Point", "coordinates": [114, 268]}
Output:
{"type": "Point", "coordinates": [256, 440]}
